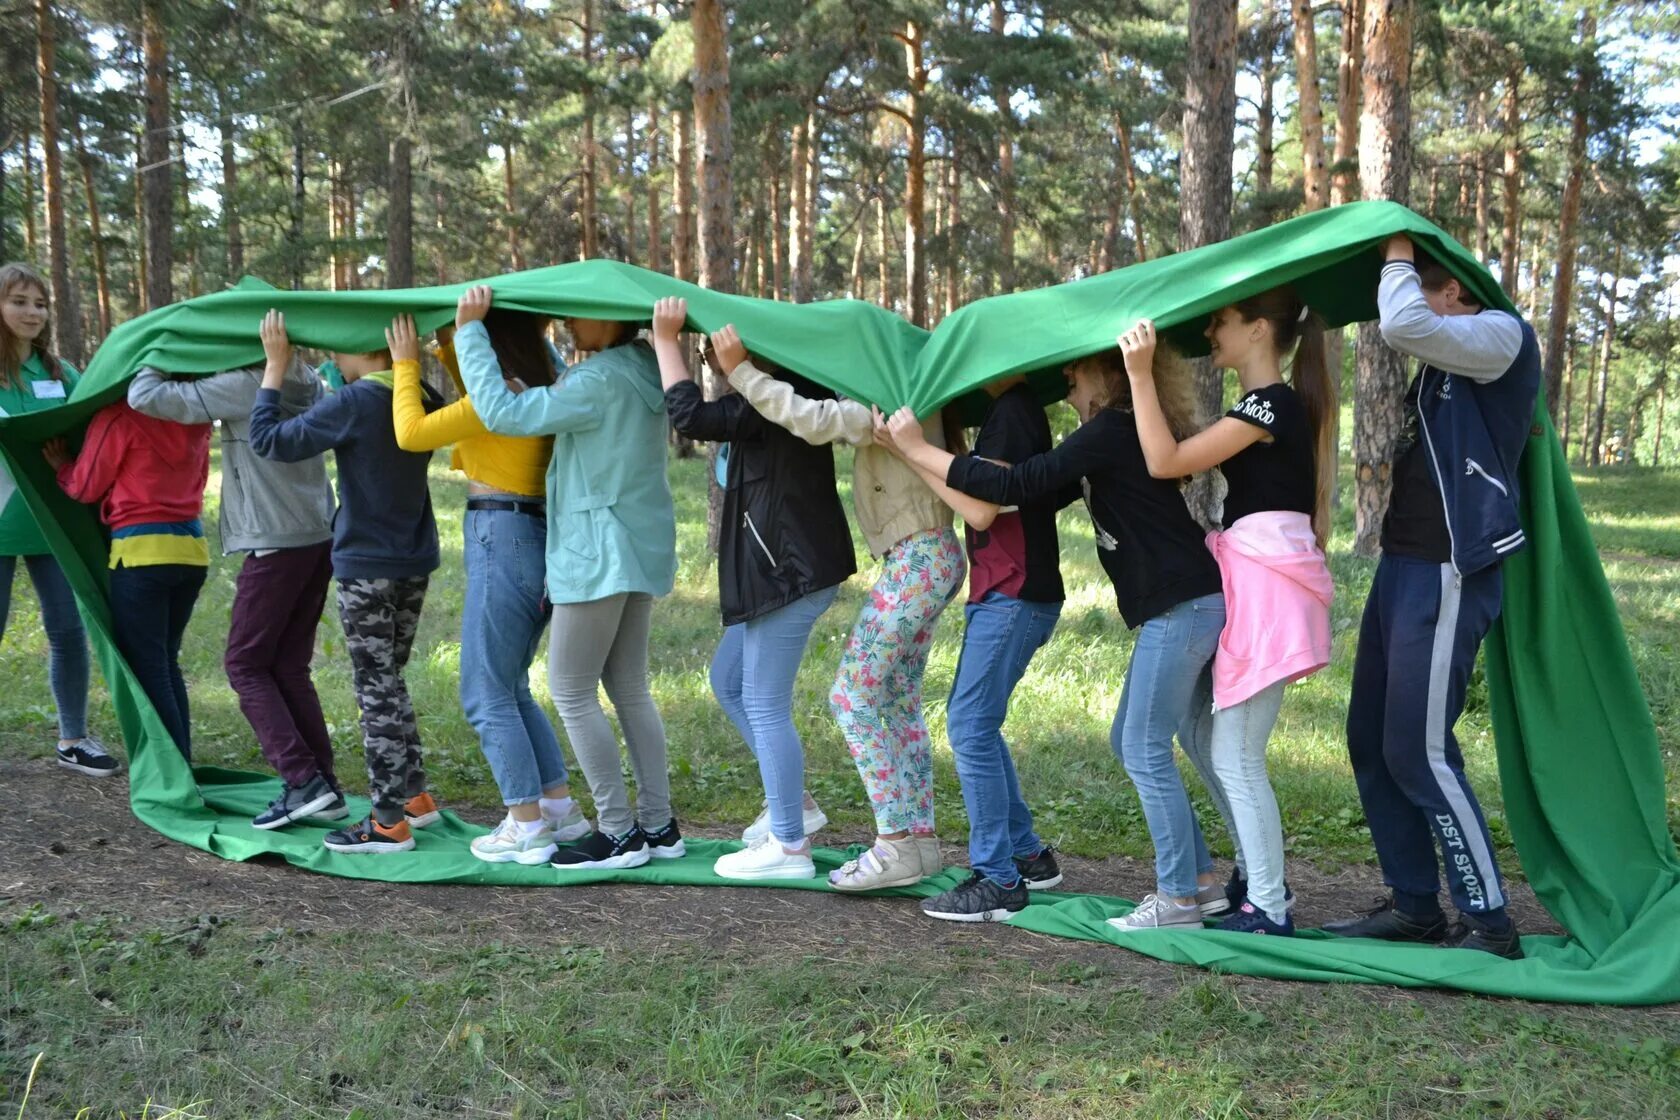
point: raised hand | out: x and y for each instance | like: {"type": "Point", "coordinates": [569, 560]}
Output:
{"type": "Point", "coordinates": [731, 351]}
{"type": "Point", "coordinates": [1398, 248]}
{"type": "Point", "coordinates": [277, 347]}
{"type": "Point", "coordinates": [1138, 345]}
{"type": "Point", "coordinates": [57, 453]}
{"type": "Point", "coordinates": [669, 316]}
{"type": "Point", "coordinates": [403, 339]}
{"type": "Point", "coordinates": [473, 305]}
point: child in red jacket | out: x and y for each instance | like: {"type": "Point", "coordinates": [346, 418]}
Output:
{"type": "Point", "coordinates": [148, 477]}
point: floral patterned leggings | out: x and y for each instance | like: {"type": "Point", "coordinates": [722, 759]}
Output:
{"type": "Point", "coordinates": [877, 695]}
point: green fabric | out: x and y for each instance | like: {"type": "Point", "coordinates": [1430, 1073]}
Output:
{"type": "Point", "coordinates": [1578, 753]}
{"type": "Point", "coordinates": [19, 535]}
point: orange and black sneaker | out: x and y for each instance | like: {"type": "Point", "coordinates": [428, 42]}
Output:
{"type": "Point", "coordinates": [372, 838]}
{"type": "Point", "coordinates": [422, 810]}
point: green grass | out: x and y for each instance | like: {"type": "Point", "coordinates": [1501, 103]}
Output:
{"type": "Point", "coordinates": [226, 1021]}
{"type": "Point", "coordinates": [1059, 718]}
{"type": "Point", "coordinates": [236, 1020]}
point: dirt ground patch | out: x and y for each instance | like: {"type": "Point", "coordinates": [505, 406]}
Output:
{"type": "Point", "coordinates": [73, 844]}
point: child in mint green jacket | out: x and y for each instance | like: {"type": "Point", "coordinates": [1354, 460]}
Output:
{"type": "Point", "coordinates": [612, 548]}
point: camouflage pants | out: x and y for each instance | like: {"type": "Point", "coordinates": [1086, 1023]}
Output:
{"type": "Point", "coordinates": [379, 618]}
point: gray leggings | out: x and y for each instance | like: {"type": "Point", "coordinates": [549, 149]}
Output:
{"type": "Point", "coordinates": [605, 642]}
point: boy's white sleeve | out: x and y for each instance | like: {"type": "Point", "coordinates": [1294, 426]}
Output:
{"type": "Point", "coordinates": [1480, 347]}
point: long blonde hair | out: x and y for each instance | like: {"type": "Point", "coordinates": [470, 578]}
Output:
{"type": "Point", "coordinates": [13, 276]}
{"type": "Point", "coordinates": [1175, 387]}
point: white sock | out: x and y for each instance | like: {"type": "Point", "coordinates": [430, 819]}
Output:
{"type": "Point", "coordinates": [530, 828]}
{"type": "Point", "coordinates": [556, 808]}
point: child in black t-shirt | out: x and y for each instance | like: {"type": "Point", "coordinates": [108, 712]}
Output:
{"type": "Point", "coordinates": [1274, 448]}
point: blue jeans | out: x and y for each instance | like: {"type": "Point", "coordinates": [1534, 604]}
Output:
{"type": "Point", "coordinates": [1157, 703]}
{"type": "Point", "coordinates": [150, 608]}
{"type": "Point", "coordinates": [998, 643]}
{"type": "Point", "coordinates": [67, 663]}
{"type": "Point", "coordinates": [752, 678]}
{"type": "Point", "coordinates": [502, 621]}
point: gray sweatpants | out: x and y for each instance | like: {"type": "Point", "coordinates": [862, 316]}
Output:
{"type": "Point", "coordinates": [605, 642]}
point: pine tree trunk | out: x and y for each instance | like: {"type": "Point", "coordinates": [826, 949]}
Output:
{"type": "Point", "coordinates": [811, 171]}
{"type": "Point", "coordinates": [230, 198]}
{"type": "Point", "coordinates": [1123, 132]}
{"type": "Point", "coordinates": [156, 180]}
{"type": "Point", "coordinates": [1265, 158]}
{"type": "Point", "coordinates": [682, 241]}
{"type": "Point", "coordinates": [656, 234]}
{"type": "Point", "coordinates": [510, 206]}
{"type": "Point", "coordinates": [1006, 169]}
{"type": "Point", "coordinates": [1315, 175]}
{"type": "Point", "coordinates": [294, 231]}
{"type": "Point", "coordinates": [883, 247]}
{"type": "Point", "coordinates": [1350, 82]}
{"type": "Point", "coordinates": [1385, 160]}
{"type": "Point", "coordinates": [855, 289]}
{"type": "Point", "coordinates": [778, 228]}
{"type": "Point", "coordinates": [1510, 246]}
{"type": "Point", "coordinates": [798, 183]}
{"type": "Point", "coordinates": [101, 271]}
{"type": "Point", "coordinates": [590, 244]}
{"type": "Point", "coordinates": [715, 134]}
{"type": "Point", "coordinates": [66, 308]}
{"type": "Point", "coordinates": [1568, 391]}
{"type": "Point", "coordinates": [1210, 120]}
{"type": "Point", "coordinates": [1563, 287]}
{"type": "Point", "coordinates": [30, 237]}
{"type": "Point", "coordinates": [1662, 405]}
{"type": "Point", "coordinates": [915, 190]}
{"type": "Point", "coordinates": [335, 224]}
{"type": "Point", "coordinates": [1484, 205]}
{"type": "Point", "coordinates": [399, 226]}
{"type": "Point", "coordinates": [953, 219]}
{"type": "Point", "coordinates": [1596, 455]}
{"type": "Point", "coordinates": [142, 281]}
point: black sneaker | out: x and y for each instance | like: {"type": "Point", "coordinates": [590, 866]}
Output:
{"type": "Point", "coordinates": [1385, 923]}
{"type": "Point", "coordinates": [1236, 891]}
{"type": "Point", "coordinates": [1040, 872]}
{"type": "Point", "coordinates": [667, 843]}
{"type": "Point", "coordinates": [1249, 918]}
{"type": "Point", "coordinates": [977, 899]}
{"type": "Point", "coordinates": [369, 837]}
{"type": "Point", "coordinates": [87, 756]}
{"type": "Point", "coordinates": [1502, 943]}
{"type": "Point", "coordinates": [599, 851]}
{"type": "Point", "coordinates": [297, 802]}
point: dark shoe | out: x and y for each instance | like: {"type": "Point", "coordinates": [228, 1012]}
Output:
{"type": "Point", "coordinates": [1039, 873]}
{"type": "Point", "coordinates": [598, 852]}
{"type": "Point", "coordinates": [1503, 943]}
{"type": "Point", "coordinates": [1385, 923]}
{"type": "Point", "coordinates": [297, 802]}
{"type": "Point", "coordinates": [371, 838]}
{"type": "Point", "coordinates": [1236, 891]}
{"type": "Point", "coordinates": [87, 756]}
{"type": "Point", "coordinates": [667, 843]}
{"type": "Point", "coordinates": [978, 899]}
{"type": "Point", "coordinates": [1251, 919]}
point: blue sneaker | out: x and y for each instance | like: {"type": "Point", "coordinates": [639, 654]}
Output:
{"type": "Point", "coordinates": [1251, 919]}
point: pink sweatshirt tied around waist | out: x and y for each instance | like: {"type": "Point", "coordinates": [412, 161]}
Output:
{"type": "Point", "coordinates": [1277, 604]}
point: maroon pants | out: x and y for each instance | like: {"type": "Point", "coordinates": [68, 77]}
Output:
{"type": "Point", "coordinates": [275, 610]}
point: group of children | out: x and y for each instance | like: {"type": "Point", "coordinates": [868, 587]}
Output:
{"type": "Point", "coordinates": [569, 523]}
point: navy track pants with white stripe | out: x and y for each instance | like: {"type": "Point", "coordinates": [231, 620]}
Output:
{"type": "Point", "coordinates": [1417, 647]}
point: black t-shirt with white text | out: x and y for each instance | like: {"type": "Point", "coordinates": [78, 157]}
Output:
{"type": "Point", "coordinates": [1279, 475]}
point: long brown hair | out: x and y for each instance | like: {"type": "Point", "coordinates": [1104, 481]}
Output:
{"type": "Point", "coordinates": [1175, 388]}
{"type": "Point", "coordinates": [13, 276]}
{"type": "Point", "coordinates": [520, 340]}
{"type": "Point", "coordinates": [1294, 325]}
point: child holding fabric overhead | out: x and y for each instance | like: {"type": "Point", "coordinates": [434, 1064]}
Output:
{"type": "Point", "coordinates": [783, 550]}
{"type": "Point", "coordinates": [33, 379]}
{"type": "Point", "coordinates": [877, 695]}
{"type": "Point", "coordinates": [503, 539]}
{"type": "Point", "coordinates": [1274, 447]}
{"type": "Point", "coordinates": [385, 546]}
{"type": "Point", "coordinates": [611, 550]}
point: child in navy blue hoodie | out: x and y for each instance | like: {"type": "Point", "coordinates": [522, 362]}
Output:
{"type": "Point", "coordinates": [385, 545]}
{"type": "Point", "coordinates": [1452, 519]}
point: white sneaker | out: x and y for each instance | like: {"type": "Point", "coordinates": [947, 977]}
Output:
{"type": "Point", "coordinates": [574, 826]}
{"type": "Point", "coordinates": [1158, 912]}
{"type": "Point", "coordinates": [509, 842]}
{"type": "Point", "coordinates": [927, 847]}
{"type": "Point", "coordinates": [815, 821]}
{"type": "Point", "coordinates": [890, 863]}
{"type": "Point", "coordinates": [764, 858]}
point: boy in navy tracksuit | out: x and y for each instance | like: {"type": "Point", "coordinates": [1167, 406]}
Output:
{"type": "Point", "coordinates": [1452, 518]}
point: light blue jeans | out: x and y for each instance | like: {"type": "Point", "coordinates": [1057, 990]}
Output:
{"type": "Point", "coordinates": [1233, 741]}
{"type": "Point", "coordinates": [67, 660]}
{"type": "Point", "coordinates": [502, 622]}
{"type": "Point", "coordinates": [752, 677]}
{"type": "Point", "coordinates": [998, 643]}
{"type": "Point", "coordinates": [1171, 651]}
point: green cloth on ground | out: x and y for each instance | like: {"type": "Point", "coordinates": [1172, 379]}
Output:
{"type": "Point", "coordinates": [1583, 780]}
